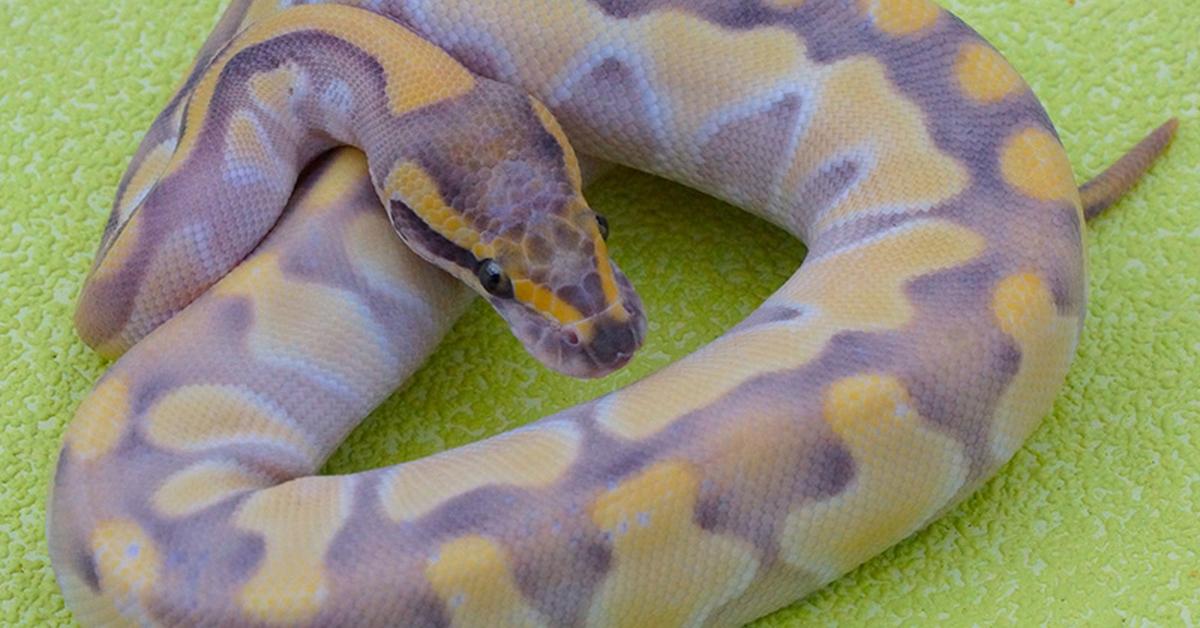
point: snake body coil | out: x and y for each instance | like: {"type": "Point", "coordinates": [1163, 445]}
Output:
{"type": "Point", "coordinates": [927, 333]}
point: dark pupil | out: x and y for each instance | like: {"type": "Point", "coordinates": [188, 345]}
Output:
{"type": "Point", "coordinates": [603, 222]}
{"type": "Point", "coordinates": [493, 279]}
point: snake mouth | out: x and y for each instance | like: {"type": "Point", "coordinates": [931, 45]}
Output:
{"type": "Point", "coordinates": [591, 348]}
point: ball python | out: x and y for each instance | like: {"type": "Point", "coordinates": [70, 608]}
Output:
{"type": "Point", "coordinates": [928, 331]}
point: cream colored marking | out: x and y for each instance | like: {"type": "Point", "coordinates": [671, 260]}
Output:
{"type": "Point", "coordinates": [785, 5]}
{"type": "Point", "coordinates": [260, 10]}
{"type": "Point", "coordinates": [756, 191]}
{"type": "Point", "coordinates": [737, 64]}
{"type": "Point", "coordinates": [144, 178]}
{"type": "Point", "coordinates": [371, 244]}
{"type": "Point", "coordinates": [1034, 162]}
{"type": "Point", "coordinates": [901, 17]}
{"type": "Point", "coordinates": [650, 520]}
{"type": "Point", "coordinates": [905, 471]}
{"type": "Point", "coordinates": [533, 457]}
{"type": "Point", "coordinates": [863, 117]}
{"type": "Point", "coordinates": [119, 253]}
{"type": "Point", "coordinates": [205, 416]}
{"type": "Point", "coordinates": [298, 521]}
{"type": "Point", "coordinates": [204, 484]}
{"type": "Point", "coordinates": [249, 158]}
{"type": "Point", "coordinates": [472, 575]}
{"type": "Point", "coordinates": [271, 89]}
{"type": "Point", "coordinates": [694, 69]}
{"type": "Point", "coordinates": [172, 257]}
{"type": "Point", "coordinates": [417, 73]}
{"type": "Point", "coordinates": [101, 420]}
{"type": "Point", "coordinates": [652, 404]}
{"type": "Point", "coordinates": [127, 563]}
{"type": "Point", "coordinates": [334, 323]}
{"type": "Point", "coordinates": [141, 182]}
{"type": "Point", "coordinates": [99, 608]}
{"type": "Point", "coordinates": [336, 186]}
{"type": "Point", "coordinates": [984, 75]}
{"type": "Point", "coordinates": [543, 50]}
{"type": "Point", "coordinates": [1024, 309]}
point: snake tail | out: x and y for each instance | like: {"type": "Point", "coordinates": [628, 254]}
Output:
{"type": "Point", "coordinates": [1109, 186]}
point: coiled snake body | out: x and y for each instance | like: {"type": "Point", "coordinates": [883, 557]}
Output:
{"type": "Point", "coordinates": [927, 333]}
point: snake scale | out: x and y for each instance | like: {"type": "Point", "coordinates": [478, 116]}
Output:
{"type": "Point", "coordinates": [926, 334]}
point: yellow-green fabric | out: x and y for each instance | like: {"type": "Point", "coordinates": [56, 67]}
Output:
{"type": "Point", "coordinates": [1097, 519]}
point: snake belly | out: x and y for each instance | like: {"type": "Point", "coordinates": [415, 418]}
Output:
{"type": "Point", "coordinates": [927, 333]}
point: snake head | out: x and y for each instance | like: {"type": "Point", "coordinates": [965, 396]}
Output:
{"type": "Point", "coordinates": [562, 295]}
{"type": "Point", "coordinates": [495, 198]}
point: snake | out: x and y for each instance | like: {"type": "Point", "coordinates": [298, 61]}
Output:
{"type": "Point", "coordinates": [260, 304]}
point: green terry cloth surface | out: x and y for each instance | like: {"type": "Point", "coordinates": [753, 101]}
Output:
{"type": "Point", "coordinates": [1096, 521]}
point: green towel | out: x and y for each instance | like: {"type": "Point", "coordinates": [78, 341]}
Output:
{"type": "Point", "coordinates": [1097, 519]}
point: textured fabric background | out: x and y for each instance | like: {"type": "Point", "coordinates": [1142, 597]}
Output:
{"type": "Point", "coordinates": [1097, 519]}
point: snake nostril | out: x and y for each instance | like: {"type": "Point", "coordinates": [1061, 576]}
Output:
{"type": "Point", "coordinates": [571, 337]}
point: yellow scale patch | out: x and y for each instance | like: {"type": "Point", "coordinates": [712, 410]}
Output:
{"type": "Point", "coordinates": [336, 185]}
{"type": "Point", "coordinates": [751, 65]}
{"type": "Point", "coordinates": [532, 457]}
{"type": "Point", "coordinates": [100, 420]}
{"type": "Point", "coordinates": [248, 144]}
{"type": "Point", "coordinates": [901, 17]}
{"type": "Point", "coordinates": [1034, 162]}
{"type": "Point", "coordinates": [144, 178]}
{"type": "Point", "coordinates": [119, 252]}
{"type": "Point", "coordinates": [736, 64]}
{"type": "Point", "coordinates": [417, 73]}
{"type": "Point", "coordinates": [331, 325]}
{"type": "Point", "coordinates": [297, 521]}
{"type": "Point", "coordinates": [984, 75]}
{"type": "Point", "coordinates": [127, 562]}
{"type": "Point", "coordinates": [861, 113]}
{"type": "Point", "coordinates": [473, 578]}
{"type": "Point", "coordinates": [369, 239]}
{"type": "Point", "coordinates": [651, 521]}
{"type": "Point", "coordinates": [92, 608]}
{"type": "Point", "coordinates": [271, 88]}
{"type": "Point", "coordinates": [785, 4]}
{"type": "Point", "coordinates": [411, 184]}
{"type": "Point", "coordinates": [392, 268]}
{"type": "Point", "coordinates": [260, 10]}
{"type": "Point", "coordinates": [199, 417]}
{"type": "Point", "coordinates": [652, 404]}
{"type": "Point", "coordinates": [748, 67]}
{"type": "Point", "coordinates": [204, 484]}
{"type": "Point", "coordinates": [1024, 309]}
{"type": "Point", "coordinates": [905, 471]}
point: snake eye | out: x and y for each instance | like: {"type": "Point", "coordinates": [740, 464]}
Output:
{"type": "Point", "coordinates": [603, 223]}
{"type": "Point", "coordinates": [493, 279]}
